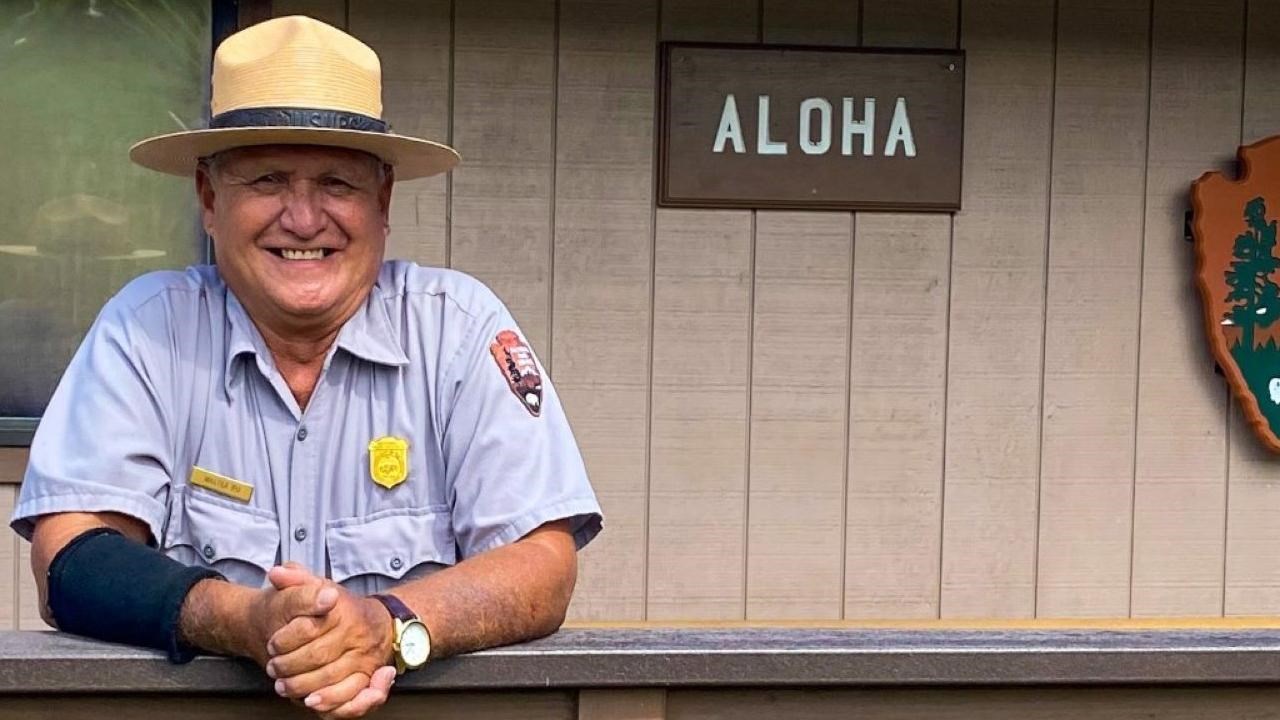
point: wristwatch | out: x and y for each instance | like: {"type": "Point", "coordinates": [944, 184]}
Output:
{"type": "Point", "coordinates": [409, 640]}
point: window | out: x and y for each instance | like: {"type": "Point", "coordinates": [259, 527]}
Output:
{"type": "Point", "coordinates": [80, 81]}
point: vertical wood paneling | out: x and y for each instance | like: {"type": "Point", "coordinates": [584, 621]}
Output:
{"type": "Point", "coordinates": [710, 20]}
{"type": "Point", "coordinates": [602, 289]}
{"type": "Point", "coordinates": [504, 127]}
{"type": "Point", "coordinates": [10, 568]}
{"type": "Point", "coordinates": [918, 23]}
{"type": "Point", "coordinates": [28, 609]}
{"type": "Point", "coordinates": [411, 38]}
{"type": "Point", "coordinates": [1179, 500]}
{"type": "Point", "coordinates": [799, 355]}
{"type": "Point", "coordinates": [1253, 500]}
{"type": "Point", "coordinates": [13, 464]}
{"type": "Point", "coordinates": [810, 22]}
{"type": "Point", "coordinates": [1085, 703]}
{"type": "Point", "coordinates": [997, 313]}
{"type": "Point", "coordinates": [701, 352]}
{"type": "Point", "coordinates": [701, 380]}
{"type": "Point", "coordinates": [333, 12]}
{"type": "Point", "coordinates": [646, 704]}
{"type": "Point", "coordinates": [897, 384]}
{"type": "Point", "coordinates": [794, 539]}
{"type": "Point", "coordinates": [1091, 323]}
{"type": "Point", "coordinates": [1262, 70]}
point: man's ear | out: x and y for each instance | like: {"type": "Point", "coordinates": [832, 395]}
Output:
{"type": "Point", "coordinates": [384, 193]}
{"type": "Point", "coordinates": [205, 194]}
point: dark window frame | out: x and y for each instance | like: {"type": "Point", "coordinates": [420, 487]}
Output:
{"type": "Point", "coordinates": [225, 17]}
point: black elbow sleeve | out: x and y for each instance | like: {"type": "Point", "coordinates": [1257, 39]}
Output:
{"type": "Point", "coordinates": [106, 586]}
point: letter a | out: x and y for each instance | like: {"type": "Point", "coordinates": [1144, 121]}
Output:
{"type": "Point", "coordinates": [730, 127]}
{"type": "Point", "coordinates": [900, 132]}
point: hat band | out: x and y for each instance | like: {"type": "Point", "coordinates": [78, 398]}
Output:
{"type": "Point", "coordinates": [298, 117]}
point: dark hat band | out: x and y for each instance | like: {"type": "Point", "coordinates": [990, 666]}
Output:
{"type": "Point", "coordinates": [299, 118]}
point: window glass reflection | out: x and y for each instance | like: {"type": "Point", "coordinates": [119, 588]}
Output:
{"type": "Point", "coordinates": [80, 81]}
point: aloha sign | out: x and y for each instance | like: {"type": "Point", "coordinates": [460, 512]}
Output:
{"type": "Point", "coordinates": [1236, 272]}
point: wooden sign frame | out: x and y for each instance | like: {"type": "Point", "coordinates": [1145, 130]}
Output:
{"type": "Point", "coordinates": [667, 196]}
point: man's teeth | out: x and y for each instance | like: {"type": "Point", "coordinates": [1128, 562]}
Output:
{"type": "Point", "coordinates": [302, 254]}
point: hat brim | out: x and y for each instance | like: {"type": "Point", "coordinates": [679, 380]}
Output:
{"type": "Point", "coordinates": [178, 153]}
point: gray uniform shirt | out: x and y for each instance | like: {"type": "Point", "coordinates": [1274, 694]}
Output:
{"type": "Point", "coordinates": [173, 376]}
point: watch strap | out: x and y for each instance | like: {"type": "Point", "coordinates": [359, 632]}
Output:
{"type": "Point", "coordinates": [396, 607]}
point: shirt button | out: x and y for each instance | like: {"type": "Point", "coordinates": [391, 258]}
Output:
{"type": "Point", "coordinates": [396, 563]}
{"type": "Point", "coordinates": [300, 534]}
{"type": "Point", "coordinates": [208, 552]}
{"type": "Point", "coordinates": [302, 433]}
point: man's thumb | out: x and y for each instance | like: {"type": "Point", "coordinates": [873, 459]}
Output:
{"type": "Point", "coordinates": [289, 575]}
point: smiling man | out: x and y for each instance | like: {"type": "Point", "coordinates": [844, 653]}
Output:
{"type": "Point", "coordinates": [336, 466]}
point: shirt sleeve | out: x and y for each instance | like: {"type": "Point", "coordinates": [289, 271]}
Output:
{"type": "Point", "coordinates": [511, 461]}
{"type": "Point", "coordinates": [103, 442]}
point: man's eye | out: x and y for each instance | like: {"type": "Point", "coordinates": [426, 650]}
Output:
{"type": "Point", "coordinates": [333, 183]}
{"type": "Point", "coordinates": [269, 180]}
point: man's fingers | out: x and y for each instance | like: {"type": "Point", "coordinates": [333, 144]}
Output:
{"type": "Point", "coordinates": [302, 684]}
{"type": "Point", "coordinates": [334, 696]}
{"type": "Point", "coordinates": [368, 699]}
{"type": "Point", "coordinates": [314, 599]}
{"type": "Point", "coordinates": [298, 632]}
{"type": "Point", "coordinates": [324, 650]}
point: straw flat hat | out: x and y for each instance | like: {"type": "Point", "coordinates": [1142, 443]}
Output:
{"type": "Point", "coordinates": [295, 81]}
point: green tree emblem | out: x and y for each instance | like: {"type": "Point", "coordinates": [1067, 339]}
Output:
{"type": "Point", "coordinates": [1255, 303]}
{"type": "Point", "coordinates": [1254, 296]}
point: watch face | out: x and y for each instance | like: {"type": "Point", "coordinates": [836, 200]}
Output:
{"type": "Point", "coordinates": [415, 644]}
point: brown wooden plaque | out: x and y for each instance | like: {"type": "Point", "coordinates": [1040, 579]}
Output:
{"type": "Point", "coordinates": [865, 129]}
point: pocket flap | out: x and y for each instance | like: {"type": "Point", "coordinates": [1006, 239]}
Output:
{"type": "Point", "coordinates": [390, 543]}
{"type": "Point", "coordinates": [217, 529]}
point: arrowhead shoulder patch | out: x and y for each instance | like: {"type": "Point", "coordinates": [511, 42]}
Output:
{"type": "Point", "coordinates": [1234, 229]}
{"type": "Point", "coordinates": [520, 369]}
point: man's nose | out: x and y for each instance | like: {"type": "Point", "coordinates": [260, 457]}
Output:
{"type": "Point", "coordinates": [303, 214]}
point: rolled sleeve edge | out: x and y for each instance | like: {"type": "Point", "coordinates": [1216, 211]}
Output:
{"type": "Point", "coordinates": [146, 509]}
{"type": "Point", "coordinates": [585, 512]}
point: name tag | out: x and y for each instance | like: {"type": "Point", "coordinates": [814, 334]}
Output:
{"type": "Point", "coordinates": [221, 484]}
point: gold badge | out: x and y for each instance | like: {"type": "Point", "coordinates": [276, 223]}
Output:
{"type": "Point", "coordinates": [389, 461]}
{"type": "Point", "coordinates": [221, 484]}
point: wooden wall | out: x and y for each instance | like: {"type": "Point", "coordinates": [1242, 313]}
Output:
{"type": "Point", "coordinates": [1010, 412]}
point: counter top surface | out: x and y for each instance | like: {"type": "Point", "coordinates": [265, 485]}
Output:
{"type": "Point", "coordinates": [682, 657]}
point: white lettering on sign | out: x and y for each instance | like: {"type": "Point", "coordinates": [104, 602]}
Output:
{"type": "Point", "coordinates": [730, 127]}
{"type": "Point", "coordinates": [865, 127]}
{"type": "Point", "coordinates": [765, 146]}
{"type": "Point", "coordinates": [900, 134]}
{"type": "Point", "coordinates": [807, 109]}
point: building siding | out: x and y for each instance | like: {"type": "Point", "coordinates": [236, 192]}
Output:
{"type": "Point", "coordinates": [1009, 412]}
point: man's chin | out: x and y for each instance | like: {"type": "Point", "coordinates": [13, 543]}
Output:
{"type": "Point", "coordinates": [308, 307]}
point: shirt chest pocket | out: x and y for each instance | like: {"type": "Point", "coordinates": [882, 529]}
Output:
{"type": "Point", "coordinates": [238, 541]}
{"type": "Point", "coordinates": [370, 554]}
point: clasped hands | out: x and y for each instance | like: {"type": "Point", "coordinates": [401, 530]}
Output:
{"type": "Point", "coordinates": [324, 646]}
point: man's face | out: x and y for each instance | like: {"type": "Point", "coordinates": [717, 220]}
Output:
{"type": "Point", "coordinates": [299, 231]}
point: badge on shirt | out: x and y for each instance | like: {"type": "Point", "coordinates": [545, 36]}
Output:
{"type": "Point", "coordinates": [221, 484]}
{"type": "Point", "coordinates": [389, 461]}
{"type": "Point", "coordinates": [516, 362]}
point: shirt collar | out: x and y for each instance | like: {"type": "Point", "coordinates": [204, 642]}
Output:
{"type": "Point", "coordinates": [367, 335]}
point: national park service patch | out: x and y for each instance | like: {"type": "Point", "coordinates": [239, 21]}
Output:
{"type": "Point", "coordinates": [1236, 271]}
{"type": "Point", "coordinates": [518, 366]}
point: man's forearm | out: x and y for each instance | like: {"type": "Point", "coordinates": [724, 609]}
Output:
{"type": "Point", "coordinates": [216, 618]}
{"type": "Point", "coordinates": [513, 593]}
